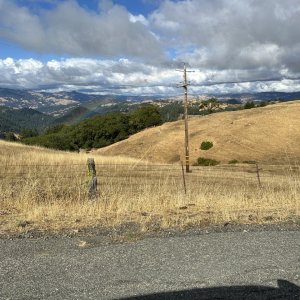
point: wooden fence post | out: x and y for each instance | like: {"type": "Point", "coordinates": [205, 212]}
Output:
{"type": "Point", "coordinates": [258, 175]}
{"type": "Point", "coordinates": [92, 184]}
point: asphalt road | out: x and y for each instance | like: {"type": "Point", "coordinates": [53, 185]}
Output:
{"type": "Point", "coordinates": [232, 265]}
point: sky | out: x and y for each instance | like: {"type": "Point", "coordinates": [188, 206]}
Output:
{"type": "Point", "coordinates": [134, 47]}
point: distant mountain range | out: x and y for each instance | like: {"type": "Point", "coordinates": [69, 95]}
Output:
{"type": "Point", "coordinates": [264, 96]}
{"type": "Point", "coordinates": [20, 109]}
{"type": "Point", "coordinates": [59, 103]}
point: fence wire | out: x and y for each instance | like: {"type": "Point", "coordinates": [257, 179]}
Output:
{"type": "Point", "coordinates": [71, 171]}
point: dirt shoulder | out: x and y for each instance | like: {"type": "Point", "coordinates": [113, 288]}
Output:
{"type": "Point", "coordinates": [133, 231]}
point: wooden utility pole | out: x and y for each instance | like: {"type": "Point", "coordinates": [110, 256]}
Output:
{"type": "Point", "coordinates": [186, 129]}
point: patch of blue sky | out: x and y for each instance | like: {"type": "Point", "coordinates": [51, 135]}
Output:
{"type": "Point", "coordinates": [8, 49]}
{"type": "Point", "coordinates": [37, 5]}
{"type": "Point", "coordinates": [174, 52]}
{"type": "Point", "coordinates": [136, 7]}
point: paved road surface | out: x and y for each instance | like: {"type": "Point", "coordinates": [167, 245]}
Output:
{"type": "Point", "coordinates": [239, 265]}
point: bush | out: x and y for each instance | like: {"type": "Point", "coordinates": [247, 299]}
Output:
{"type": "Point", "coordinates": [206, 145]}
{"type": "Point", "coordinates": [202, 161]}
{"type": "Point", "coordinates": [234, 161]}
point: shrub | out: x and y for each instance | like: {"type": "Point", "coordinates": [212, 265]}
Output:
{"type": "Point", "coordinates": [202, 161]}
{"type": "Point", "coordinates": [206, 145]}
{"type": "Point", "coordinates": [234, 161]}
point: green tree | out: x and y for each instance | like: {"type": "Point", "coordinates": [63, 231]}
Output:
{"type": "Point", "coordinates": [145, 117]}
{"type": "Point", "coordinates": [98, 131]}
{"type": "Point", "coordinates": [249, 105]}
{"type": "Point", "coordinates": [56, 128]}
{"type": "Point", "coordinates": [171, 111]}
{"type": "Point", "coordinates": [29, 132]}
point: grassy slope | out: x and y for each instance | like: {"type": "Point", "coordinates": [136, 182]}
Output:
{"type": "Point", "coordinates": [43, 189]}
{"type": "Point", "coordinates": [269, 134]}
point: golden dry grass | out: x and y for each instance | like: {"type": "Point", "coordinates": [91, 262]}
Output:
{"type": "Point", "coordinates": [47, 190]}
{"type": "Point", "coordinates": [269, 134]}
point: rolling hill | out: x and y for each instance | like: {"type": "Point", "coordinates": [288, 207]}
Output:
{"type": "Point", "coordinates": [268, 134]}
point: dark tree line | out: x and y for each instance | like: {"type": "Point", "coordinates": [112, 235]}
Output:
{"type": "Point", "coordinates": [98, 131]}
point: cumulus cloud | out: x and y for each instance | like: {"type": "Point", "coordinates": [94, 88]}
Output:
{"type": "Point", "coordinates": [72, 29]}
{"type": "Point", "coordinates": [124, 76]}
{"type": "Point", "coordinates": [232, 34]}
{"type": "Point", "coordinates": [236, 45]}
{"type": "Point", "coordinates": [90, 74]}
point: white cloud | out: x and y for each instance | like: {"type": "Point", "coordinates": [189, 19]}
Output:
{"type": "Point", "coordinates": [126, 77]}
{"type": "Point", "coordinates": [71, 29]}
{"type": "Point", "coordinates": [232, 34]}
{"type": "Point", "coordinates": [138, 18]}
{"type": "Point", "coordinates": [83, 73]}
{"type": "Point", "coordinates": [236, 46]}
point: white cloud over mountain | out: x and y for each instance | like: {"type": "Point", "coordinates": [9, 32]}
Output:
{"type": "Point", "coordinates": [125, 77]}
{"type": "Point", "coordinates": [236, 46]}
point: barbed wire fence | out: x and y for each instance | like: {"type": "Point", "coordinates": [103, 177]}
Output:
{"type": "Point", "coordinates": [91, 174]}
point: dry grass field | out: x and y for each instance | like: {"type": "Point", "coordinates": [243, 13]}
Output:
{"type": "Point", "coordinates": [269, 135]}
{"type": "Point", "coordinates": [46, 190]}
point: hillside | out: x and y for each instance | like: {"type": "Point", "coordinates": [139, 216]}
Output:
{"type": "Point", "coordinates": [268, 134]}
{"type": "Point", "coordinates": [17, 119]}
{"type": "Point", "coordinates": [74, 116]}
